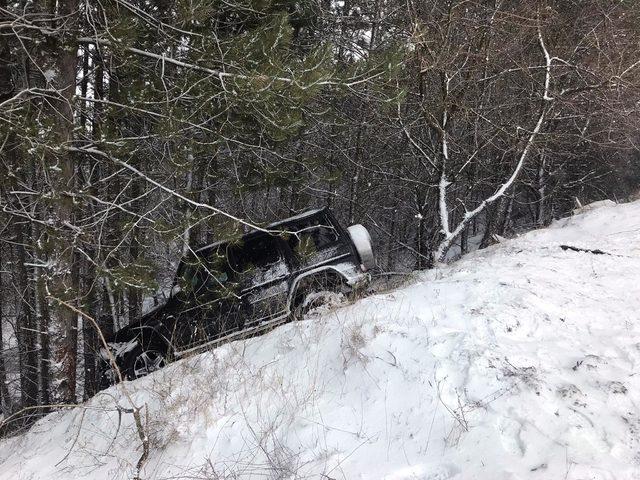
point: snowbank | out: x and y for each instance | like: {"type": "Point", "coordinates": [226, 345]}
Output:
{"type": "Point", "coordinates": [518, 362]}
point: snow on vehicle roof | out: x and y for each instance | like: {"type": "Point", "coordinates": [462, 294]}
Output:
{"type": "Point", "coordinates": [300, 216]}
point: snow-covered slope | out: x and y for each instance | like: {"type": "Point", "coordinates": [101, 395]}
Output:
{"type": "Point", "coordinates": [520, 361]}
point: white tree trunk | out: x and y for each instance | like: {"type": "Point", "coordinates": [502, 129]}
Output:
{"type": "Point", "coordinates": [450, 236]}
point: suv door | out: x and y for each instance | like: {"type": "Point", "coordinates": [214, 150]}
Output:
{"type": "Point", "coordinates": [263, 275]}
{"type": "Point", "coordinates": [211, 306]}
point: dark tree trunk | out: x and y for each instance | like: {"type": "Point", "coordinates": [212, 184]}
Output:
{"type": "Point", "coordinates": [134, 298]}
{"type": "Point", "coordinates": [497, 220]}
{"type": "Point", "coordinates": [464, 241]}
{"type": "Point", "coordinates": [89, 334]}
{"type": "Point", "coordinates": [45, 343]}
{"type": "Point", "coordinates": [63, 281]}
{"type": "Point", "coordinates": [6, 403]}
{"type": "Point", "coordinates": [392, 233]}
{"type": "Point", "coordinates": [6, 91]}
{"type": "Point", "coordinates": [26, 325]}
{"type": "Point", "coordinates": [354, 186]}
{"type": "Point", "coordinates": [212, 196]}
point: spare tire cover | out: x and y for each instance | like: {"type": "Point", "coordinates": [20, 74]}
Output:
{"type": "Point", "coordinates": [362, 241]}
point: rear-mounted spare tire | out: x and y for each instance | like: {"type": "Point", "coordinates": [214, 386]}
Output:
{"type": "Point", "coordinates": [362, 241]}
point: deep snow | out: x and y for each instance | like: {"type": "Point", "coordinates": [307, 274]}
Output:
{"type": "Point", "coordinates": [519, 361]}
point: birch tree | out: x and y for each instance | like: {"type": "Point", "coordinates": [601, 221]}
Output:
{"type": "Point", "coordinates": [484, 107]}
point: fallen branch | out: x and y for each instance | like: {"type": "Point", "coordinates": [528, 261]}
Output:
{"type": "Point", "coordinates": [587, 250]}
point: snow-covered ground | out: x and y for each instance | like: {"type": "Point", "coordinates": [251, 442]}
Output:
{"type": "Point", "coordinates": [520, 361]}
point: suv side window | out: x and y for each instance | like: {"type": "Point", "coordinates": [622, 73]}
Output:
{"type": "Point", "coordinates": [258, 260]}
{"type": "Point", "coordinates": [258, 252]}
{"type": "Point", "coordinates": [207, 274]}
{"type": "Point", "coordinates": [312, 236]}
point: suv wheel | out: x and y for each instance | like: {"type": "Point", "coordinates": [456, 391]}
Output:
{"type": "Point", "coordinates": [316, 291]}
{"type": "Point", "coordinates": [145, 361]}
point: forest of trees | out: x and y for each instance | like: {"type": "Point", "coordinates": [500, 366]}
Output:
{"type": "Point", "coordinates": [133, 131]}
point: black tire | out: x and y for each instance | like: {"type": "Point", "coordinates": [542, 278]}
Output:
{"type": "Point", "coordinates": [143, 361]}
{"type": "Point", "coordinates": [300, 308]}
{"type": "Point", "coordinates": [319, 286]}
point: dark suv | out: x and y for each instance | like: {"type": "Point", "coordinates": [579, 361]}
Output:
{"type": "Point", "coordinates": [243, 287]}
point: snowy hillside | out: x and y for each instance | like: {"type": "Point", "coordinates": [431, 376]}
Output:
{"type": "Point", "coordinates": [521, 361]}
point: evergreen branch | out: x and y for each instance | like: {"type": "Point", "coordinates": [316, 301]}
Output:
{"type": "Point", "coordinates": [206, 206]}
